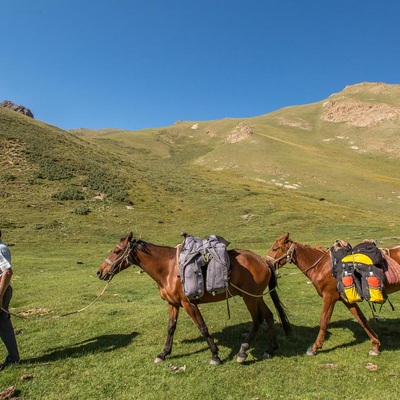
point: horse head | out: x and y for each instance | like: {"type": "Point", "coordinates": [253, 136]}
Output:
{"type": "Point", "coordinates": [281, 251]}
{"type": "Point", "coordinates": [118, 259]}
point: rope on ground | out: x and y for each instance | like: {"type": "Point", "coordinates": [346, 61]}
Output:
{"type": "Point", "coordinates": [58, 316]}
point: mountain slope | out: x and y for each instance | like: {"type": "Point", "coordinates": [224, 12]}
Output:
{"type": "Point", "coordinates": [344, 149]}
{"type": "Point", "coordinates": [321, 171]}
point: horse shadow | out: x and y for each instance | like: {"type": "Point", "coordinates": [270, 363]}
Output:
{"type": "Point", "coordinates": [231, 337]}
{"type": "Point", "coordinates": [387, 331]}
{"type": "Point", "coordinates": [302, 338]}
{"type": "Point", "coordinates": [99, 344]}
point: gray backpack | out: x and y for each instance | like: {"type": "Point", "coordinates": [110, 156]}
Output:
{"type": "Point", "coordinates": [195, 255]}
{"type": "Point", "coordinates": [190, 262]}
{"type": "Point", "coordinates": [216, 255]}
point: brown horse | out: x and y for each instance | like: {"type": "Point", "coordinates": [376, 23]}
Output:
{"type": "Point", "coordinates": [249, 277]}
{"type": "Point", "coordinates": [315, 263]}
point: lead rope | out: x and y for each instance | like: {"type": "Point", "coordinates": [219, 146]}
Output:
{"type": "Point", "coordinates": [178, 252]}
{"type": "Point", "coordinates": [58, 316]}
{"type": "Point", "coordinates": [125, 255]}
{"type": "Point", "coordinates": [250, 294]}
{"type": "Point", "coordinates": [227, 303]}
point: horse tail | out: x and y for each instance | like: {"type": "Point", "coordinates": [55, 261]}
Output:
{"type": "Point", "coordinates": [280, 308]}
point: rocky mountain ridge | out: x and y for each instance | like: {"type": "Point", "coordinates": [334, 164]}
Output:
{"type": "Point", "coordinates": [18, 108]}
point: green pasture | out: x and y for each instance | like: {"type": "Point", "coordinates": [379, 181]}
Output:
{"type": "Point", "coordinates": [107, 350]}
{"type": "Point", "coordinates": [66, 198]}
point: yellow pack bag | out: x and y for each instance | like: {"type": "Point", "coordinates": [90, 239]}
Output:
{"type": "Point", "coordinates": [348, 287]}
{"type": "Point", "coordinates": [373, 289]}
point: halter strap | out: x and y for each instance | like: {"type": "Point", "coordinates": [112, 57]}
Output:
{"type": "Point", "coordinates": [288, 255]}
{"type": "Point", "coordinates": [178, 252]}
{"type": "Point", "coordinates": [117, 263]}
{"type": "Point", "coordinates": [289, 258]}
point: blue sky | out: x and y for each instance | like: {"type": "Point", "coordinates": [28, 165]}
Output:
{"type": "Point", "coordinates": [139, 64]}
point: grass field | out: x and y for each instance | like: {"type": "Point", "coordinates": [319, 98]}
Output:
{"type": "Point", "coordinates": [67, 198]}
{"type": "Point", "coordinates": [107, 351]}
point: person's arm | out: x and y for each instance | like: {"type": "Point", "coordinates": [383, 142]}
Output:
{"type": "Point", "coordinates": [5, 280]}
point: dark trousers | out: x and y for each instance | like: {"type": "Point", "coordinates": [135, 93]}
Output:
{"type": "Point", "coordinates": [7, 333]}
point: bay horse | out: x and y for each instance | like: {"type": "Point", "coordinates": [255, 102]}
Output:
{"type": "Point", "coordinates": [249, 277]}
{"type": "Point", "coordinates": [315, 263]}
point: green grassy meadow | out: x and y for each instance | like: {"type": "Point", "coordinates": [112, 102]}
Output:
{"type": "Point", "coordinates": [66, 198]}
{"type": "Point", "coordinates": [107, 351]}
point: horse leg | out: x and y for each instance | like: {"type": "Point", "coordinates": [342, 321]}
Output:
{"type": "Point", "coordinates": [328, 305]}
{"type": "Point", "coordinates": [358, 314]}
{"type": "Point", "coordinates": [196, 316]}
{"type": "Point", "coordinates": [173, 319]}
{"type": "Point", "coordinates": [269, 319]}
{"type": "Point", "coordinates": [257, 317]}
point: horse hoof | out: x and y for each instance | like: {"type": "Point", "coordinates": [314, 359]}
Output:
{"type": "Point", "coordinates": [215, 361]}
{"type": "Point", "coordinates": [373, 352]}
{"type": "Point", "coordinates": [267, 356]}
{"type": "Point", "coordinates": [311, 352]}
{"type": "Point", "coordinates": [158, 360]}
{"type": "Point", "coordinates": [241, 359]}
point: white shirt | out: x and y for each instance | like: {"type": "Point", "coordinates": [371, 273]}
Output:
{"type": "Point", "coordinates": [5, 258]}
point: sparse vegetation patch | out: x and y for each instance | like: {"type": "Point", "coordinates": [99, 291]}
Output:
{"type": "Point", "coordinates": [71, 193]}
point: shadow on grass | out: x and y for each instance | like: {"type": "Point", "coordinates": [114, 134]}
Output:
{"type": "Point", "coordinates": [231, 337]}
{"type": "Point", "coordinates": [99, 344]}
{"type": "Point", "coordinates": [302, 338]}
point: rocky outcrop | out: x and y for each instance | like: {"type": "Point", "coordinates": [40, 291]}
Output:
{"type": "Point", "coordinates": [20, 109]}
{"type": "Point", "coordinates": [359, 113]}
{"type": "Point", "coordinates": [241, 132]}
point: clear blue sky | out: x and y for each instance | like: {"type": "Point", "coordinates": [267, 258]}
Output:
{"type": "Point", "coordinates": [138, 64]}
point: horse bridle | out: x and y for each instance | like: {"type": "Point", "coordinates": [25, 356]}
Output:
{"type": "Point", "coordinates": [288, 255]}
{"type": "Point", "coordinates": [289, 258]}
{"type": "Point", "coordinates": [126, 255]}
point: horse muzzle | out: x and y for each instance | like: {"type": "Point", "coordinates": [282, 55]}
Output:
{"type": "Point", "coordinates": [104, 276]}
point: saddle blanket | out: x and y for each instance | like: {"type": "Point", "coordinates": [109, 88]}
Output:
{"type": "Point", "coordinates": [393, 272]}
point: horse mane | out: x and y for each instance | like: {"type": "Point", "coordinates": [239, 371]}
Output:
{"type": "Point", "coordinates": [321, 249]}
{"type": "Point", "coordinates": [142, 245]}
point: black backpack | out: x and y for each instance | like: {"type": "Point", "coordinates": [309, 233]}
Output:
{"type": "Point", "coordinates": [370, 249]}
{"type": "Point", "coordinates": [339, 250]}
{"type": "Point", "coordinates": [359, 271]}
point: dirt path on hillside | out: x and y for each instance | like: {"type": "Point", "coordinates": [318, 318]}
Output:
{"type": "Point", "coordinates": [301, 146]}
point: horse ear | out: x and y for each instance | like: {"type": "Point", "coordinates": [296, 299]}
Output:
{"type": "Point", "coordinates": [286, 237]}
{"type": "Point", "coordinates": [130, 236]}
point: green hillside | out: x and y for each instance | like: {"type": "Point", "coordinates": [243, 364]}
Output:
{"type": "Point", "coordinates": [319, 171]}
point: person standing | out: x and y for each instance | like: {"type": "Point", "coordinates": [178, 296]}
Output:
{"type": "Point", "coordinates": [7, 333]}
